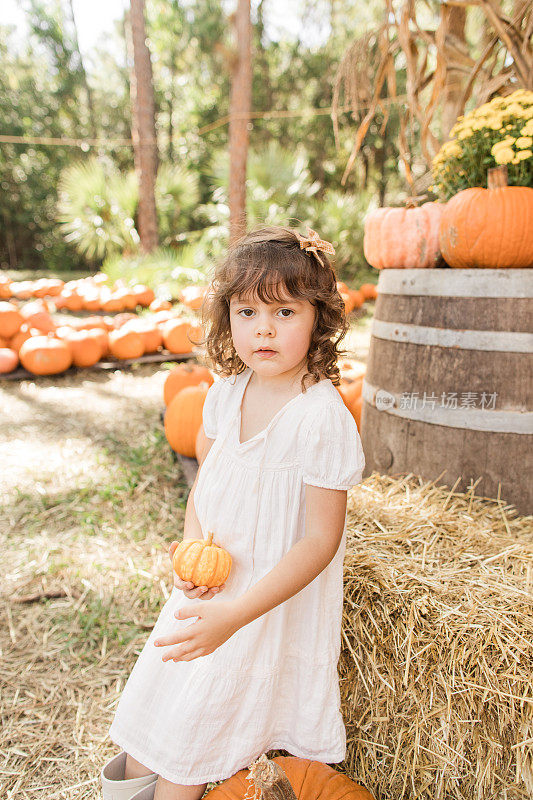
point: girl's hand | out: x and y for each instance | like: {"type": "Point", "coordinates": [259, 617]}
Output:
{"type": "Point", "coordinates": [216, 623]}
{"type": "Point", "coordinates": [188, 588]}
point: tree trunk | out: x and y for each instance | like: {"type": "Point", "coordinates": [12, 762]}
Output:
{"type": "Point", "coordinates": [240, 104]}
{"type": "Point", "coordinates": [143, 131]}
{"type": "Point", "coordinates": [88, 93]}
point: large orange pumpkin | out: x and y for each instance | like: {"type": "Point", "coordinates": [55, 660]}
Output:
{"type": "Point", "coordinates": [491, 227]}
{"type": "Point", "coordinates": [182, 375]}
{"type": "Point", "coordinates": [403, 237]}
{"type": "Point", "coordinates": [289, 778]}
{"type": "Point", "coordinates": [45, 355]}
{"type": "Point", "coordinates": [183, 417]}
{"type": "Point", "coordinates": [202, 562]}
{"type": "Point", "coordinates": [10, 319]}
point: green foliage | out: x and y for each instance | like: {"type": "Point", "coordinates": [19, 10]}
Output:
{"type": "Point", "coordinates": [164, 270]}
{"type": "Point", "coordinates": [293, 162]}
{"type": "Point", "coordinates": [177, 197]}
{"type": "Point", "coordinates": [96, 207]}
{"type": "Point", "coordinates": [338, 218]}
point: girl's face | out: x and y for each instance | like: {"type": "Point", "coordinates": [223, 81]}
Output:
{"type": "Point", "coordinates": [284, 327]}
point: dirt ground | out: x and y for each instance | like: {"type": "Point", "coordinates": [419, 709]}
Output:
{"type": "Point", "coordinates": [90, 499]}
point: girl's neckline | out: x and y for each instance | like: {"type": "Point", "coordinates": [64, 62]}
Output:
{"type": "Point", "coordinates": [276, 415]}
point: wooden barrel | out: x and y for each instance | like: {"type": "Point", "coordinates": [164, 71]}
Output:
{"type": "Point", "coordinates": [448, 388]}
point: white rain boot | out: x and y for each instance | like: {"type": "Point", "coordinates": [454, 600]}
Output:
{"type": "Point", "coordinates": [148, 793]}
{"type": "Point", "coordinates": [114, 787]}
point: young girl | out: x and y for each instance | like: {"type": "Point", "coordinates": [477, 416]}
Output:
{"type": "Point", "coordinates": [255, 669]}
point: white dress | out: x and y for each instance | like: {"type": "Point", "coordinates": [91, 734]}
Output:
{"type": "Point", "coordinates": [273, 685]}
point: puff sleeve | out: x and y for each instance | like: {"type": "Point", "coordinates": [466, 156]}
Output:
{"type": "Point", "coordinates": [210, 411]}
{"type": "Point", "coordinates": [333, 456]}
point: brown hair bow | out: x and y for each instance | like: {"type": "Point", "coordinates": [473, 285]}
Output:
{"type": "Point", "coordinates": [313, 242]}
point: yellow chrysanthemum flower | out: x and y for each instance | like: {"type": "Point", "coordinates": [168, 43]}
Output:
{"type": "Point", "coordinates": [503, 145]}
{"type": "Point", "coordinates": [524, 142]}
{"type": "Point", "coordinates": [527, 130]}
{"type": "Point", "coordinates": [523, 154]}
{"type": "Point", "coordinates": [505, 155]}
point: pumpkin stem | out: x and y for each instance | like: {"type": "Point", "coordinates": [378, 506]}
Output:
{"type": "Point", "coordinates": [413, 202]}
{"type": "Point", "coordinates": [270, 780]}
{"type": "Point", "coordinates": [497, 177]}
{"type": "Point", "coordinates": [209, 538]}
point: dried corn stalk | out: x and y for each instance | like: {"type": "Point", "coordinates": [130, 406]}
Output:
{"type": "Point", "coordinates": [442, 72]}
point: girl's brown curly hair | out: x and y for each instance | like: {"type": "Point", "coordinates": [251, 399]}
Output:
{"type": "Point", "coordinates": [257, 265]}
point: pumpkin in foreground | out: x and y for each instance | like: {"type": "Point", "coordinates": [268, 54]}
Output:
{"type": "Point", "coordinates": [188, 374]}
{"type": "Point", "coordinates": [202, 562]}
{"type": "Point", "coordinates": [183, 417]}
{"type": "Point", "coordinates": [289, 778]}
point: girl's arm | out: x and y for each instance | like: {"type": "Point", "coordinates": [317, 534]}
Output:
{"type": "Point", "coordinates": [325, 516]}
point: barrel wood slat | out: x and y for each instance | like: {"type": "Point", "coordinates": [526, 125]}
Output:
{"type": "Point", "coordinates": [423, 341]}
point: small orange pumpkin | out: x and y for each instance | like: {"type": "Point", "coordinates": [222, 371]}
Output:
{"type": "Point", "coordinates": [102, 338]}
{"type": "Point", "coordinates": [202, 561]}
{"type": "Point", "coordinates": [72, 300]}
{"type": "Point", "coordinates": [8, 360]}
{"type": "Point", "coordinates": [86, 350]}
{"type": "Point", "coordinates": [143, 294]}
{"type": "Point", "coordinates": [182, 375]}
{"type": "Point", "coordinates": [369, 291]}
{"type": "Point", "coordinates": [150, 332]}
{"type": "Point", "coordinates": [126, 344]}
{"type": "Point", "coordinates": [183, 417]}
{"type": "Point", "coordinates": [175, 336]}
{"type": "Point", "coordinates": [160, 305]}
{"type": "Point", "coordinates": [358, 297]}
{"type": "Point", "coordinates": [37, 315]}
{"type": "Point", "coordinates": [10, 319]}
{"type": "Point", "coordinates": [193, 296]}
{"type": "Point", "coordinates": [22, 289]}
{"type": "Point", "coordinates": [16, 341]}
{"type": "Point", "coordinates": [289, 778]}
{"type": "Point", "coordinates": [5, 287]}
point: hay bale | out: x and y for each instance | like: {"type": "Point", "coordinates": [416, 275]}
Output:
{"type": "Point", "coordinates": [437, 643]}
